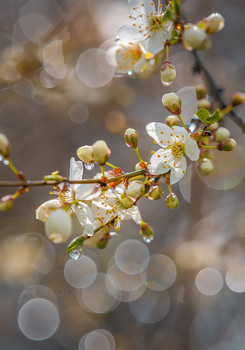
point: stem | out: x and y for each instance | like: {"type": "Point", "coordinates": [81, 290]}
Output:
{"type": "Point", "coordinates": [226, 110]}
{"type": "Point", "coordinates": [167, 52]}
{"type": "Point", "coordinates": [169, 189]}
{"type": "Point", "coordinates": [102, 170]}
{"type": "Point", "coordinates": [12, 167]}
{"type": "Point", "coordinates": [111, 165]}
{"type": "Point", "coordinates": [138, 155]}
{"type": "Point", "coordinates": [30, 183]}
{"type": "Point", "coordinates": [182, 121]}
{"type": "Point", "coordinates": [209, 147]}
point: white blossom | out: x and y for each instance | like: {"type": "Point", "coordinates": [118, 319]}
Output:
{"type": "Point", "coordinates": [175, 143]}
{"type": "Point", "coordinates": [147, 24]}
{"type": "Point", "coordinates": [58, 226]}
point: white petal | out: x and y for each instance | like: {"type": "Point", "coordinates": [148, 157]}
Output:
{"type": "Point", "coordinates": [191, 149]}
{"type": "Point", "coordinates": [160, 133]}
{"type": "Point", "coordinates": [160, 162]}
{"type": "Point", "coordinates": [178, 172]}
{"type": "Point", "coordinates": [129, 33]}
{"type": "Point", "coordinates": [179, 134]}
{"type": "Point", "coordinates": [76, 171]}
{"type": "Point", "coordinates": [132, 213]}
{"type": "Point", "coordinates": [87, 191]}
{"type": "Point", "coordinates": [45, 208]}
{"type": "Point", "coordinates": [58, 227]}
{"type": "Point", "coordinates": [85, 217]}
{"type": "Point", "coordinates": [189, 103]}
{"type": "Point", "coordinates": [145, 10]}
{"type": "Point", "coordinates": [155, 42]}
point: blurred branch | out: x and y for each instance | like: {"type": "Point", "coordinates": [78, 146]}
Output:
{"type": "Point", "coordinates": [215, 90]}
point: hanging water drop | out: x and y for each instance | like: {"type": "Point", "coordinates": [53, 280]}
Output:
{"type": "Point", "coordinates": [76, 253]}
{"type": "Point", "coordinates": [167, 73]}
{"type": "Point", "coordinates": [89, 166]}
{"type": "Point", "coordinates": [147, 239]}
{"type": "Point", "coordinates": [130, 72]}
{"type": "Point", "coordinates": [5, 162]}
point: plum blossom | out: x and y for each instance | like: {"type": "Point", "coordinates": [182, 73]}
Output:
{"type": "Point", "coordinates": [147, 24]}
{"type": "Point", "coordinates": [175, 143]}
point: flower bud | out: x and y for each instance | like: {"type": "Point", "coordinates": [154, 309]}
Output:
{"type": "Point", "coordinates": [101, 152]}
{"type": "Point", "coordinates": [204, 103]}
{"type": "Point", "coordinates": [172, 201]}
{"type": "Point", "coordinates": [156, 192]}
{"type": "Point", "coordinates": [146, 232]}
{"type": "Point", "coordinates": [127, 202]}
{"type": "Point", "coordinates": [201, 91]}
{"type": "Point", "coordinates": [131, 138]}
{"type": "Point", "coordinates": [6, 203]}
{"type": "Point", "coordinates": [213, 127]}
{"type": "Point", "coordinates": [134, 189]}
{"type": "Point", "coordinates": [172, 120]}
{"type": "Point", "coordinates": [227, 145]}
{"type": "Point", "coordinates": [4, 145]}
{"type": "Point", "coordinates": [215, 22]}
{"type": "Point", "coordinates": [85, 153]}
{"type": "Point", "coordinates": [145, 188]}
{"type": "Point", "coordinates": [43, 211]}
{"type": "Point", "coordinates": [167, 73]}
{"type": "Point", "coordinates": [238, 98]}
{"type": "Point", "coordinates": [137, 166]}
{"type": "Point", "coordinates": [193, 37]}
{"type": "Point", "coordinates": [221, 134]}
{"type": "Point", "coordinates": [58, 226]}
{"type": "Point", "coordinates": [205, 167]}
{"type": "Point", "coordinates": [172, 103]}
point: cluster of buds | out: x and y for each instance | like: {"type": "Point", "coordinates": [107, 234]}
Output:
{"type": "Point", "coordinates": [99, 152]}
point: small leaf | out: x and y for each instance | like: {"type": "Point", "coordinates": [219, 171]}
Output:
{"type": "Point", "coordinates": [77, 242]}
{"type": "Point", "coordinates": [202, 114]}
{"type": "Point", "coordinates": [214, 117]}
{"type": "Point", "coordinates": [175, 4]}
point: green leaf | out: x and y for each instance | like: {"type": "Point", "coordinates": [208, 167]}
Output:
{"type": "Point", "coordinates": [168, 15]}
{"type": "Point", "coordinates": [175, 4]}
{"type": "Point", "coordinates": [175, 37]}
{"type": "Point", "coordinates": [214, 117]}
{"type": "Point", "coordinates": [202, 114]}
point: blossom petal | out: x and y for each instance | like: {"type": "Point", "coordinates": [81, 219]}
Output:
{"type": "Point", "coordinates": [85, 217]}
{"type": "Point", "coordinates": [129, 33]}
{"type": "Point", "coordinates": [155, 43]}
{"type": "Point", "coordinates": [159, 132]}
{"type": "Point", "coordinates": [191, 149]}
{"type": "Point", "coordinates": [45, 208]}
{"type": "Point", "coordinates": [76, 171]}
{"type": "Point", "coordinates": [88, 191]}
{"type": "Point", "coordinates": [178, 171]}
{"type": "Point", "coordinates": [132, 213]}
{"type": "Point", "coordinates": [189, 103]}
{"type": "Point", "coordinates": [147, 9]}
{"type": "Point", "coordinates": [160, 162]}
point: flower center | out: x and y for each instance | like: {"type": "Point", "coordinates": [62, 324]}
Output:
{"type": "Point", "coordinates": [156, 23]}
{"type": "Point", "coordinates": [177, 150]}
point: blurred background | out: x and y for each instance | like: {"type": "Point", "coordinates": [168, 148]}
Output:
{"type": "Point", "coordinates": [183, 291]}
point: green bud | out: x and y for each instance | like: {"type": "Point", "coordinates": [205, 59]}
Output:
{"type": "Point", "coordinates": [102, 243]}
{"type": "Point", "coordinates": [101, 152]}
{"type": "Point", "coordinates": [137, 166]}
{"type": "Point", "coordinates": [6, 203]}
{"type": "Point", "coordinates": [145, 188]}
{"type": "Point", "coordinates": [221, 134]}
{"type": "Point", "coordinates": [172, 103]}
{"type": "Point", "coordinates": [146, 232]}
{"type": "Point", "coordinates": [227, 145]}
{"type": "Point", "coordinates": [205, 167]}
{"type": "Point", "coordinates": [201, 91]}
{"type": "Point", "coordinates": [172, 201]}
{"type": "Point", "coordinates": [204, 103]}
{"type": "Point", "coordinates": [238, 98]}
{"type": "Point", "coordinates": [134, 189]}
{"type": "Point", "coordinates": [156, 192]}
{"type": "Point", "coordinates": [215, 22]}
{"type": "Point", "coordinates": [127, 201]}
{"type": "Point", "coordinates": [131, 138]}
{"type": "Point", "coordinates": [194, 38]}
{"type": "Point", "coordinates": [172, 120]}
{"type": "Point", "coordinates": [4, 145]}
{"type": "Point", "coordinates": [213, 127]}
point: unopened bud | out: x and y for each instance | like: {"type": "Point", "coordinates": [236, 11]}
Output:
{"type": "Point", "coordinates": [131, 138]}
{"type": "Point", "coordinates": [156, 192]}
{"type": "Point", "coordinates": [167, 73]}
{"type": "Point", "coordinates": [138, 166]}
{"type": "Point", "coordinates": [172, 201]}
{"type": "Point", "coordinates": [227, 145]}
{"type": "Point", "coordinates": [134, 189]}
{"type": "Point", "coordinates": [172, 120]}
{"type": "Point", "coordinates": [172, 103]}
{"type": "Point", "coordinates": [127, 202]}
{"type": "Point", "coordinates": [215, 22]}
{"type": "Point", "coordinates": [85, 153]}
{"type": "Point", "coordinates": [204, 103]}
{"type": "Point", "coordinates": [201, 91]}
{"type": "Point", "coordinates": [205, 167]}
{"type": "Point", "coordinates": [194, 38]}
{"type": "Point", "coordinates": [6, 203]}
{"type": "Point", "coordinates": [58, 226]}
{"type": "Point", "coordinates": [4, 145]}
{"type": "Point", "coordinates": [101, 152]}
{"type": "Point", "coordinates": [213, 127]}
{"type": "Point", "coordinates": [43, 211]}
{"type": "Point", "coordinates": [221, 134]}
{"type": "Point", "coordinates": [238, 98]}
{"type": "Point", "coordinates": [145, 188]}
{"type": "Point", "coordinates": [102, 243]}
{"type": "Point", "coordinates": [146, 232]}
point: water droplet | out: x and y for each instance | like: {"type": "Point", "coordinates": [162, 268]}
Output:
{"type": "Point", "coordinates": [165, 83]}
{"type": "Point", "coordinates": [76, 253]}
{"type": "Point", "coordinates": [119, 189]}
{"type": "Point", "coordinates": [147, 239]}
{"type": "Point", "coordinates": [89, 166]}
{"type": "Point", "coordinates": [5, 162]}
{"type": "Point", "coordinates": [130, 72]}
{"type": "Point", "coordinates": [113, 233]}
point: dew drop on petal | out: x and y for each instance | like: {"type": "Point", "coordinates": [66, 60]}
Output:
{"type": "Point", "coordinates": [89, 166]}
{"type": "Point", "coordinates": [76, 253]}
